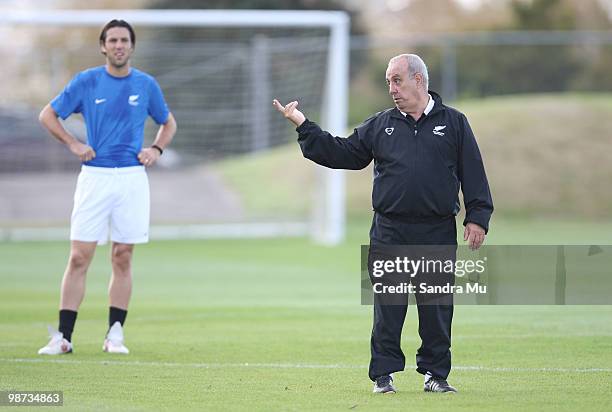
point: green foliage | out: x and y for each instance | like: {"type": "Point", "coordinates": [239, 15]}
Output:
{"type": "Point", "coordinates": [498, 70]}
{"type": "Point", "coordinates": [542, 15]}
{"type": "Point", "coordinates": [494, 70]}
{"type": "Point", "coordinates": [501, 69]}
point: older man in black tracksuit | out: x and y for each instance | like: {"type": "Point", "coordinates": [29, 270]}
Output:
{"type": "Point", "coordinates": [423, 153]}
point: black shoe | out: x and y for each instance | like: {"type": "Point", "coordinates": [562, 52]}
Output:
{"type": "Point", "coordinates": [384, 384]}
{"type": "Point", "coordinates": [437, 385]}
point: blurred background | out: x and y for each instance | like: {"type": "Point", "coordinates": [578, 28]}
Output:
{"type": "Point", "coordinates": [272, 324]}
{"type": "Point", "coordinates": [531, 75]}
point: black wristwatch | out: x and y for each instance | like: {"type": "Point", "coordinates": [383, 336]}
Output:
{"type": "Point", "coordinates": [161, 151]}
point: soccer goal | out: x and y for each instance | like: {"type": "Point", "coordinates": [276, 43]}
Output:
{"type": "Point", "coordinates": [234, 169]}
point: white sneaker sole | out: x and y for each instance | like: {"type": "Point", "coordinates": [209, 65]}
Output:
{"type": "Point", "coordinates": [113, 349]}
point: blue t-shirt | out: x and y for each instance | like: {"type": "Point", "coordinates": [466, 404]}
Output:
{"type": "Point", "coordinates": [115, 110]}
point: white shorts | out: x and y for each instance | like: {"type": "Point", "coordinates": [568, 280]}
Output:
{"type": "Point", "coordinates": [115, 199]}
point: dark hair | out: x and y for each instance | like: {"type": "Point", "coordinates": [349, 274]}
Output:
{"type": "Point", "coordinates": [117, 23]}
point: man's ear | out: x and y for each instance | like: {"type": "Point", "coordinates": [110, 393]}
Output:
{"type": "Point", "coordinates": [102, 49]}
{"type": "Point", "coordinates": [419, 78]}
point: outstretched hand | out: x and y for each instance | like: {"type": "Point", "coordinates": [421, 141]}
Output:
{"type": "Point", "coordinates": [290, 112]}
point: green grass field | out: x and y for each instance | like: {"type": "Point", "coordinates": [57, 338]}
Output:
{"type": "Point", "coordinates": [278, 325]}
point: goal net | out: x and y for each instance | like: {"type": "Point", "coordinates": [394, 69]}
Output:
{"type": "Point", "coordinates": [234, 169]}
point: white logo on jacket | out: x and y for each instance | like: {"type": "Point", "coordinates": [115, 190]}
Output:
{"type": "Point", "coordinates": [133, 99]}
{"type": "Point", "coordinates": [438, 130]}
{"type": "Point", "coordinates": [389, 130]}
{"type": "Point", "coordinates": [98, 101]}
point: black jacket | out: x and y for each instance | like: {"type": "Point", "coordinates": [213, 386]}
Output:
{"type": "Point", "coordinates": [419, 167]}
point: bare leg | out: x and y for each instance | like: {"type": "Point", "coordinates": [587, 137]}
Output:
{"type": "Point", "coordinates": [120, 287]}
{"type": "Point", "coordinates": [73, 284]}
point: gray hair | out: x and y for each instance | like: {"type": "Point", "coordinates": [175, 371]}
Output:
{"type": "Point", "coordinates": [415, 65]}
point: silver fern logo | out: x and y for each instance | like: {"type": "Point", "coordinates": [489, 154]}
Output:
{"type": "Point", "coordinates": [133, 99]}
{"type": "Point", "coordinates": [438, 130]}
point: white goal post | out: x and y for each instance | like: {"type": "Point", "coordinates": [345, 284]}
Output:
{"type": "Point", "coordinates": [329, 225]}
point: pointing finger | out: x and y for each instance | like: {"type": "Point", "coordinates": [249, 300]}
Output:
{"type": "Point", "coordinates": [278, 105]}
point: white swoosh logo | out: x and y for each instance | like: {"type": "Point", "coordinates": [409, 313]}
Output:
{"type": "Point", "coordinates": [98, 101]}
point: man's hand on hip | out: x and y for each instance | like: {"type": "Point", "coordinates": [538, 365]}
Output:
{"type": "Point", "coordinates": [290, 112]}
{"type": "Point", "coordinates": [148, 156]}
{"type": "Point", "coordinates": [82, 151]}
{"type": "Point", "coordinates": [474, 234]}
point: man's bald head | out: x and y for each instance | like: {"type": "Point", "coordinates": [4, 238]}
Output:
{"type": "Point", "coordinates": [414, 64]}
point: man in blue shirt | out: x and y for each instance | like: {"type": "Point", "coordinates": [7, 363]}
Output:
{"type": "Point", "coordinates": [112, 192]}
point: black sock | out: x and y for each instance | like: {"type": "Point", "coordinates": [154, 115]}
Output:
{"type": "Point", "coordinates": [116, 315]}
{"type": "Point", "coordinates": [67, 318]}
